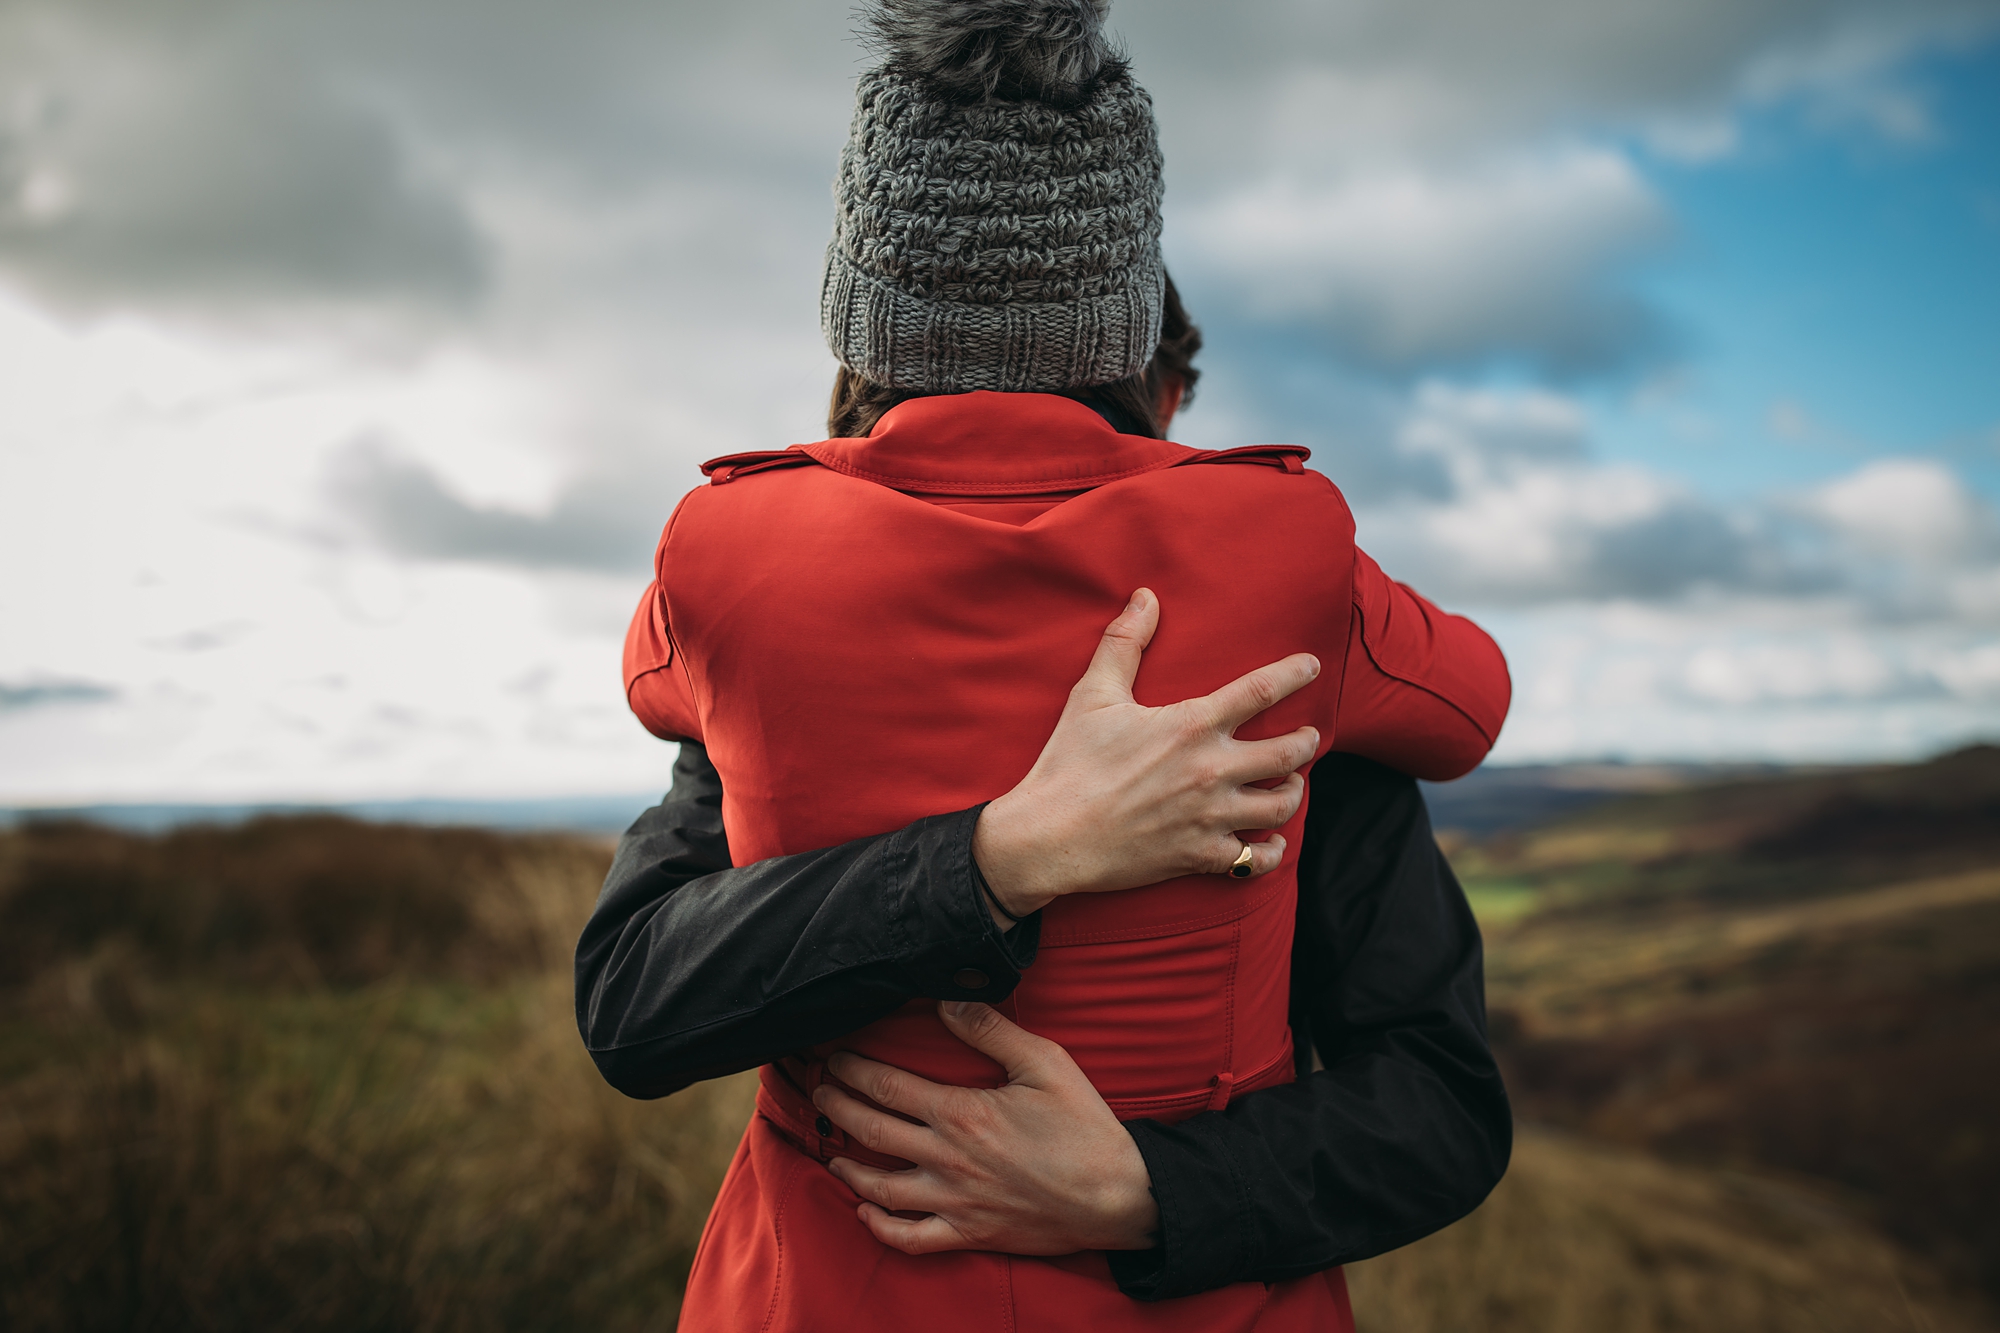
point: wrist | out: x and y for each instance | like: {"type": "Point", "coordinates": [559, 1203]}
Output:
{"type": "Point", "coordinates": [1130, 1213]}
{"type": "Point", "coordinates": [1005, 854]}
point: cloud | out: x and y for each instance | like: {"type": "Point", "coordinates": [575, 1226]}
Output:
{"type": "Point", "coordinates": [614, 209]}
{"type": "Point", "coordinates": [21, 696]}
{"type": "Point", "coordinates": [192, 168]}
{"type": "Point", "coordinates": [1745, 677]}
{"type": "Point", "coordinates": [1911, 509]}
{"type": "Point", "coordinates": [1247, 87]}
{"type": "Point", "coordinates": [597, 523]}
{"type": "Point", "coordinates": [1411, 267]}
{"type": "Point", "coordinates": [1529, 516]}
{"type": "Point", "coordinates": [223, 156]}
{"type": "Point", "coordinates": [1436, 185]}
{"type": "Point", "coordinates": [1841, 669]}
{"type": "Point", "coordinates": [1406, 180]}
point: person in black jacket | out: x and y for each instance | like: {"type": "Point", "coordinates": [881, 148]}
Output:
{"type": "Point", "coordinates": [691, 968]}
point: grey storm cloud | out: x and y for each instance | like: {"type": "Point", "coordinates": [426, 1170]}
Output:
{"type": "Point", "coordinates": [214, 154]}
{"type": "Point", "coordinates": [597, 523]}
{"type": "Point", "coordinates": [145, 166]}
{"type": "Point", "coordinates": [1376, 174]}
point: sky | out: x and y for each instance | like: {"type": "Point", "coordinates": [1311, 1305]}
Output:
{"type": "Point", "coordinates": [353, 353]}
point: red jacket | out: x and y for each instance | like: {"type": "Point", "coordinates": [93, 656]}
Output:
{"type": "Point", "coordinates": [864, 632]}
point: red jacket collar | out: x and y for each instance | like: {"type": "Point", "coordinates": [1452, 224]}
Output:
{"type": "Point", "coordinates": [995, 444]}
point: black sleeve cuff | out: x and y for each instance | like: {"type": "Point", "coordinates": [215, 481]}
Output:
{"type": "Point", "coordinates": [1204, 1215]}
{"type": "Point", "coordinates": [951, 946]}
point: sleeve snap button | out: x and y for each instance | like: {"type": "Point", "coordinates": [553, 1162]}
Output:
{"type": "Point", "coordinates": [824, 1126]}
{"type": "Point", "coordinates": [970, 978]}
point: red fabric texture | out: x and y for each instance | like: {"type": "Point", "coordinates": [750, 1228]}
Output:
{"type": "Point", "coordinates": [865, 632]}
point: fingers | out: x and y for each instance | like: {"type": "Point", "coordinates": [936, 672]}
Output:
{"type": "Point", "coordinates": [1115, 665]}
{"type": "Point", "coordinates": [911, 1191]}
{"type": "Point", "coordinates": [886, 1085]}
{"type": "Point", "coordinates": [1257, 761]}
{"type": "Point", "coordinates": [1266, 807]}
{"type": "Point", "coordinates": [1265, 856]}
{"type": "Point", "coordinates": [1024, 1056]}
{"type": "Point", "coordinates": [1248, 695]}
{"type": "Point", "coordinates": [925, 1236]}
{"type": "Point", "coordinates": [876, 1130]}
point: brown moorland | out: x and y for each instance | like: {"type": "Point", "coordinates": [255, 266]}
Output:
{"type": "Point", "coordinates": [1800, 974]}
{"type": "Point", "coordinates": [313, 1074]}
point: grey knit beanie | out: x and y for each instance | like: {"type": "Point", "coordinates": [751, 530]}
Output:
{"type": "Point", "coordinates": [997, 211]}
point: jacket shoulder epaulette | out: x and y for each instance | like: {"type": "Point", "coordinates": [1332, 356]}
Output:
{"type": "Point", "coordinates": [721, 471]}
{"type": "Point", "coordinates": [1290, 457]}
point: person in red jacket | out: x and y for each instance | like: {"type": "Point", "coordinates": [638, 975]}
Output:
{"type": "Point", "coordinates": [908, 603]}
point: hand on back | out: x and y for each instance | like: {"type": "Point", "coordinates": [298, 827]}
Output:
{"type": "Point", "coordinates": [1124, 795]}
{"type": "Point", "coordinates": [1039, 1165]}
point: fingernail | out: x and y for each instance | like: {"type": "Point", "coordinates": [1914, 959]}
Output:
{"type": "Point", "coordinates": [1315, 669]}
{"type": "Point", "coordinates": [1136, 602]}
{"type": "Point", "coordinates": [819, 1097]}
{"type": "Point", "coordinates": [960, 1009]}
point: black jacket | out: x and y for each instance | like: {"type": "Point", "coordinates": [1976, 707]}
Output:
{"type": "Point", "coordinates": [689, 969]}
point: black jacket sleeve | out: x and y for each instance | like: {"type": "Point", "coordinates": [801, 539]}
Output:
{"type": "Point", "coordinates": [1406, 1128]}
{"type": "Point", "coordinates": [689, 969]}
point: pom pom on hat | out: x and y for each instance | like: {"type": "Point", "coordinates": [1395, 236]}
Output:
{"type": "Point", "coordinates": [1052, 51]}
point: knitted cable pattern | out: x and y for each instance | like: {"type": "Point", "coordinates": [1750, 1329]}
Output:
{"type": "Point", "coordinates": [995, 244]}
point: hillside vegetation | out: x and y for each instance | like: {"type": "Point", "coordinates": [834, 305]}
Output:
{"type": "Point", "coordinates": [312, 1074]}
{"type": "Point", "coordinates": [1800, 974]}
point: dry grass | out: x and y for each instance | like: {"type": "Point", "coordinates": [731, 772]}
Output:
{"type": "Point", "coordinates": [1588, 1239]}
{"type": "Point", "coordinates": [225, 1106]}
{"type": "Point", "coordinates": [298, 901]}
{"type": "Point", "coordinates": [413, 1152]}
{"type": "Point", "coordinates": [1855, 1038]}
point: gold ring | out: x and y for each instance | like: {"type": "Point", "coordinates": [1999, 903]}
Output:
{"type": "Point", "coordinates": [1240, 867]}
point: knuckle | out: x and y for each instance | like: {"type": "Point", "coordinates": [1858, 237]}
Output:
{"type": "Point", "coordinates": [967, 1118]}
{"type": "Point", "coordinates": [1264, 690]}
{"type": "Point", "coordinates": [957, 1124]}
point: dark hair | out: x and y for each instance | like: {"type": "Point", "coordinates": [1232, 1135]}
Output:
{"type": "Point", "coordinates": [859, 403]}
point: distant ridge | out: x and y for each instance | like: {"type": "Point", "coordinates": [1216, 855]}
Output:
{"type": "Point", "coordinates": [564, 814]}
{"type": "Point", "coordinates": [1487, 801]}
{"type": "Point", "coordinates": [1497, 799]}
